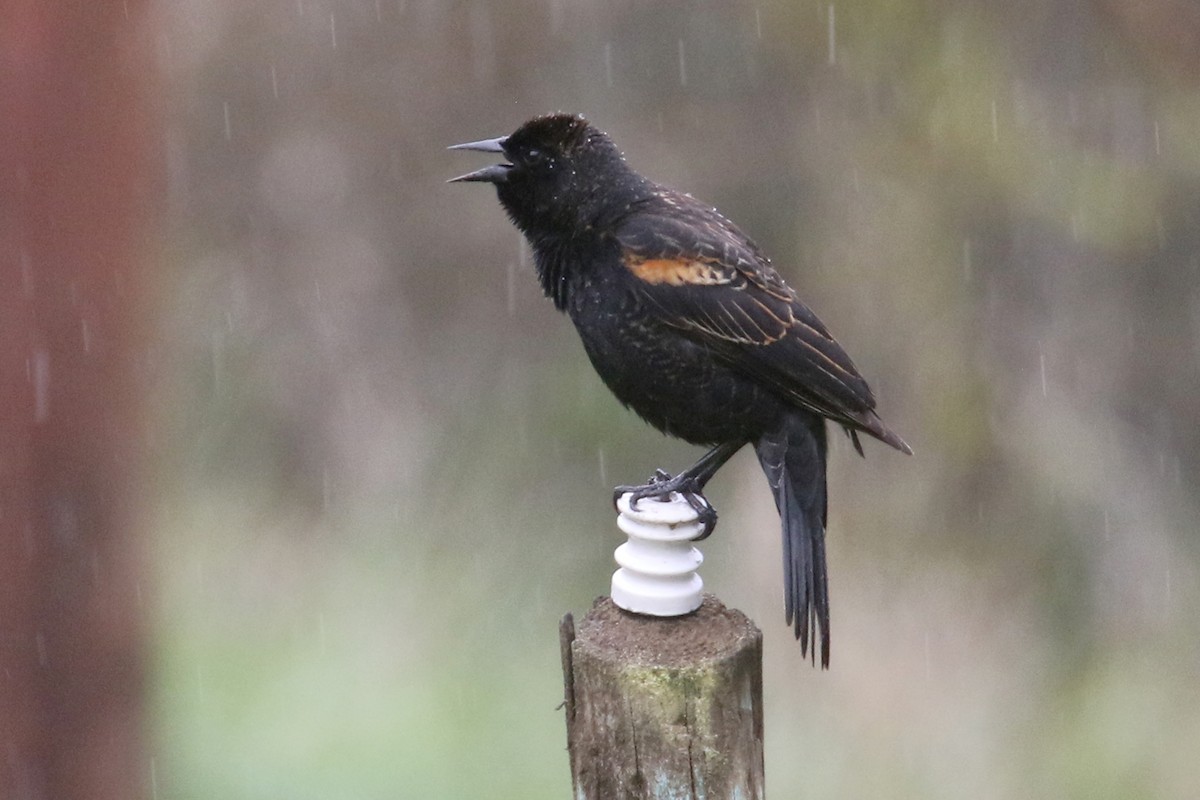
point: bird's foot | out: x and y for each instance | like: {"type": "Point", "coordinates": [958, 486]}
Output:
{"type": "Point", "coordinates": [661, 485]}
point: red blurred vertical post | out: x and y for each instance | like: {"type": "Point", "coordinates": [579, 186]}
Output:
{"type": "Point", "coordinates": [79, 171]}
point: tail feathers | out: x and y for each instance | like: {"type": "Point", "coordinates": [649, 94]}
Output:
{"type": "Point", "coordinates": [793, 458]}
{"type": "Point", "coordinates": [869, 422]}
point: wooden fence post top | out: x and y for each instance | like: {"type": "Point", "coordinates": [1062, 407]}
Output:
{"type": "Point", "coordinates": [711, 632]}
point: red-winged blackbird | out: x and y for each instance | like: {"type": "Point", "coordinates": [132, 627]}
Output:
{"type": "Point", "coordinates": [687, 323]}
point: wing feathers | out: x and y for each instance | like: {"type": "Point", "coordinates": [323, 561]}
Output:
{"type": "Point", "coordinates": [706, 279]}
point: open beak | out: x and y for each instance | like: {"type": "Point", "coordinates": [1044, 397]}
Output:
{"type": "Point", "coordinates": [497, 173]}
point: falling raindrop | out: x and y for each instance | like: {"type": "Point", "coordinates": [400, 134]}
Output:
{"type": "Point", "coordinates": [966, 255]}
{"type": "Point", "coordinates": [86, 335]}
{"type": "Point", "coordinates": [608, 73]}
{"type": "Point", "coordinates": [378, 11]}
{"type": "Point", "coordinates": [326, 492]}
{"type": "Point", "coordinates": [27, 273]}
{"type": "Point", "coordinates": [40, 642]}
{"type": "Point", "coordinates": [1167, 592]}
{"type": "Point", "coordinates": [228, 129]}
{"type": "Point", "coordinates": [332, 30]}
{"type": "Point", "coordinates": [41, 385]}
{"type": "Point", "coordinates": [274, 83]}
{"type": "Point", "coordinates": [995, 122]}
{"type": "Point", "coordinates": [682, 65]}
{"type": "Point", "coordinates": [483, 40]}
{"type": "Point", "coordinates": [928, 660]}
{"type": "Point", "coordinates": [1042, 360]}
{"type": "Point", "coordinates": [218, 361]}
{"type": "Point", "coordinates": [511, 287]}
{"type": "Point", "coordinates": [539, 599]}
{"type": "Point", "coordinates": [603, 465]}
{"type": "Point", "coordinates": [832, 37]}
{"type": "Point", "coordinates": [758, 22]}
{"type": "Point", "coordinates": [1157, 140]}
{"type": "Point", "coordinates": [522, 252]}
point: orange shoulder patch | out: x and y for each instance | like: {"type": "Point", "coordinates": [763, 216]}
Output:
{"type": "Point", "coordinates": [675, 271]}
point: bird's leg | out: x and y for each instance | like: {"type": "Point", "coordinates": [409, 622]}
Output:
{"type": "Point", "coordinates": [691, 480]}
{"type": "Point", "coordinates": [689, 484]}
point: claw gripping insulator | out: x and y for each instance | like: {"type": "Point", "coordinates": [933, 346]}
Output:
{"type": "Point", "coordinates": [658, 563]}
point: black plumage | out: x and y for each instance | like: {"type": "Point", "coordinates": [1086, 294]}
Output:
{"type": "Point", "coordinates": [688, 324]}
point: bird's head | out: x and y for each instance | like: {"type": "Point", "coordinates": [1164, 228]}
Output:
{"type": "Point", "coordinates": [561, 174]}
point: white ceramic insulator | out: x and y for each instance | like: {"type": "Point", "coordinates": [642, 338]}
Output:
{"type": "Point", "coordinates": [658, 563]}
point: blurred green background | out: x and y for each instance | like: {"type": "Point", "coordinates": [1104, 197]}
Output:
{"type": "Point", "coordinates": [385, 464]}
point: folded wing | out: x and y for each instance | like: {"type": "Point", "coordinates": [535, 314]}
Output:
{"type": "Point", "coordinates": [706, 279]}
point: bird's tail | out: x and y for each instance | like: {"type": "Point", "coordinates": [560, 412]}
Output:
{"type": "Point", "coordinates": [793, 457]}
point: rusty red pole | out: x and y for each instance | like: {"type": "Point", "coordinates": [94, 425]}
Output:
{"type": "Point", "coordinates": [79, 172]}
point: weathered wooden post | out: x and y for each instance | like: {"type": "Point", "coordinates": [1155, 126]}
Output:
{"type": "Point", "coordinates": [665, 703]}
{"type": "Point", "coordinates": [80, 177]}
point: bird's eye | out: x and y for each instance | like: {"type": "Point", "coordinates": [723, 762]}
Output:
{"type": "Point", "coordinates": [534, 154]}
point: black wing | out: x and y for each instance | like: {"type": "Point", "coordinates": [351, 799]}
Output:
{"type": "Point", "coordinates": [708, 280]}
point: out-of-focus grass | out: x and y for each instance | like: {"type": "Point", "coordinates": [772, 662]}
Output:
{"type": "Point", "coordinates": [296, 663]}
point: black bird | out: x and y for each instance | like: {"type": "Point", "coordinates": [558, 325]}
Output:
{"type": "Point", "coordinates": [688, 324]}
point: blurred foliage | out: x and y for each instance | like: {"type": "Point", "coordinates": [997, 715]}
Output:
{"type": "Point", "coordinates": [385, 462]}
